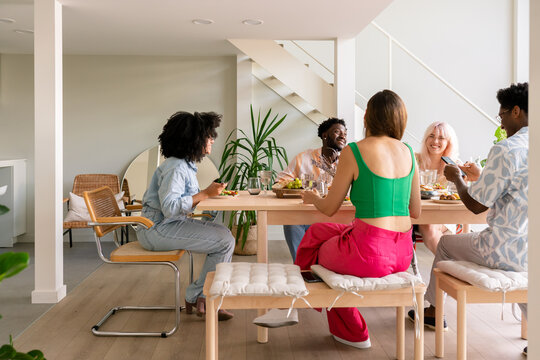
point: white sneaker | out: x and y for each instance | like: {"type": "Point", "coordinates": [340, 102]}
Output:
{"type": "Point", "coordinates": [366, 344]}
{"type": "Point", "coordinates": [276, 318]}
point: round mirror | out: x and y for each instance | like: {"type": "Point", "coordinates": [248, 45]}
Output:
{"type": "Point", "coordinates": [139, 173]}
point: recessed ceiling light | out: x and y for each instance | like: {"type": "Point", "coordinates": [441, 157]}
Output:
{"type": "Point", "coordinates": [23, 31]}
{"type": "Point", "coordinates": [252, 22]}
{"type": "Point", "coordinates": [203, 21]}
{"type": "Point", "coordinates": [7, 20]}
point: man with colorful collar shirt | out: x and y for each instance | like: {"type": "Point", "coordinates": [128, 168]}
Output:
{"type": "Point", "coordinates": [501, 188]}
{"type": "Point", "coordinates": [321, 163]}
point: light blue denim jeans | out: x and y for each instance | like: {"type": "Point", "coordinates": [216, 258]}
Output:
{"type": "Point", "coordinates": [293, 237]}
{"type": "Point", "coordinates": [206, 237]}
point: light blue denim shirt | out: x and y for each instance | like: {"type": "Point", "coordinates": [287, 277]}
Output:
{"type": "Point", "coordinates": [170, 194]}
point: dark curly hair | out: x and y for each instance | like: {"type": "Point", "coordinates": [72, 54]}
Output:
{"type": "Point", "coordinates": [327, 124]}
{"type": "Point", "coordinates": [386, 115]}
{"type": "Point", "coordinates": [185, 135]}
{"type": "Point", "coordinates": [516, 94]}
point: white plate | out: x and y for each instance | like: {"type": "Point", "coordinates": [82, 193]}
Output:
{"type": "Point", "coordinates": [439, 201]}
{"type": "Point", "coordinates": [224, 197]}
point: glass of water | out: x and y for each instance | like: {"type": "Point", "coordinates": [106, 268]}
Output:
{"type": "Point", "coordinates": [266, 177]}
{"type": "Point", "coordinates": [254, 185]}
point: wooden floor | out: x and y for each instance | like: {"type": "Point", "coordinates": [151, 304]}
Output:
{"type": "Point", "coordinates": [64, 331]}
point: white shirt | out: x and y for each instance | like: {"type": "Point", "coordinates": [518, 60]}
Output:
{"type": "Point", "coordinates": [503, 188]}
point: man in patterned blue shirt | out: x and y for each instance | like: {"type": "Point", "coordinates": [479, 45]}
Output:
{"type": "Point", "coordinates": [501, 188]}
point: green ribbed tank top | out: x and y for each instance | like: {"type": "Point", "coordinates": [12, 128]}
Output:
{"type": "Point", "coordinates": [376, 196]}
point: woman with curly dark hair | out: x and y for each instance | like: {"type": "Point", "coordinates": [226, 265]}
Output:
{"type": "Point", "coordinates": [173, 194]}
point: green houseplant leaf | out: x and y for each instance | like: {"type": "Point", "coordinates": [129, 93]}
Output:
{"type": "Point", "coordinates": [12, 263]}
{"type": "Point", "coordinates": [245, 156]}
{"type": "Point", "coordinates": [3, 209]}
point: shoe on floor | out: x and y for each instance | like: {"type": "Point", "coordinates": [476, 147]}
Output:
{"type": "Point", "coordinates": [277, 318]}
{"type": "Point", "coordinates": [366, 344]}
{"type": "Point", "coordinates": [429, 321]}
{"type": "Point", "coordinates": [525, 351]}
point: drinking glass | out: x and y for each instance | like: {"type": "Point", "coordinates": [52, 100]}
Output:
{"type": "Point", "coordinates": [308, 181]}
{"type": "Point", "coordinates": [266, 177]}
{"type": "Point", "coordinates": [254, 185]}
{"type": "Point", "coordinates": [428, 177]}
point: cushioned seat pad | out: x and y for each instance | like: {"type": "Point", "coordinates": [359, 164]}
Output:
{"type": "Point", "coordinates": [484, 277]}
{"type": "Point", "coordinates": [252, 279]}
{"type": "Point", "coordinates": [352, 283]}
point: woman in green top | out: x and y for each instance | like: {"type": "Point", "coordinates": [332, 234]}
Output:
{"type": "Point", "coordinates": [386, 193]}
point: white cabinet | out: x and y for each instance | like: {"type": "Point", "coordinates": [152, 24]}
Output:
{"type": "Point", "coordinates": [13, 223]}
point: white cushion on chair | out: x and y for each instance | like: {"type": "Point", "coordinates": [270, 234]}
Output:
{"type": "Point", "coordinates": [352, 283]}
{"type": "Point", "coordinates": [484, 277]}
{"type": "Point", "coordinates": [254, 279]}
{"type": "Point", "coordinates": [78, 210]}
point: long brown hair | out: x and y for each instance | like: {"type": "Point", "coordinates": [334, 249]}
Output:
{"type": "Point", "coordinates": [386, 115]}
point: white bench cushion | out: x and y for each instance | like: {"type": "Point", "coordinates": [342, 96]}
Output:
{"type": "Point", "coordinates": [252, 279]}
{"type": "Point", "coordinates": [484, 277]}
{"type": "Point", "coordinates": [352, 283]}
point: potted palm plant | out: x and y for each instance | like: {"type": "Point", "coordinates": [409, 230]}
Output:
{"type": "Point", "coordinates": [244, 157]}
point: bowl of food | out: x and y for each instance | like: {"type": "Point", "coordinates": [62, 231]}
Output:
{"type": "Point", "coordinates": [427, 192]}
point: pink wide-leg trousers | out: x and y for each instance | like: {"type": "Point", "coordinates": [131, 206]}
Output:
{"type": "Point", "coordinates": [357, 249]}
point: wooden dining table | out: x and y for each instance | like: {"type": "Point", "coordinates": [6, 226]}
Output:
{"type": "Point", "coordinates": [272, 210]}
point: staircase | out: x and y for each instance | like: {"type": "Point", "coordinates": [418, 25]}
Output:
{"type": "Point", "coordinates": [289, 78]}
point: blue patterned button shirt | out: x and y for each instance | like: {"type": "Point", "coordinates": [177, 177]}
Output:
{"type": "Point", "coordinates": [170, 194]}
{"type": "Point", "coordinates": [503, 188]}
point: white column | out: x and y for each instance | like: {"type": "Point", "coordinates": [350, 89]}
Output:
{"type": "Point", "coordinates": [243, 93]}
{"type": "Point", "coordinates": [534, 191]}
{"type": "Point", "coordinates": [521, 41]}
{"type": "Point", "coordinates": [345, 75]}
{"type": "Point", "coordinates": [49, 287]}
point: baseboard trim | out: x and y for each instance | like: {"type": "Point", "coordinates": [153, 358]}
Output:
{"type": "Point", "coordinates": [49, 296]}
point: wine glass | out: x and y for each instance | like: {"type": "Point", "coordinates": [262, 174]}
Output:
{"type": "Point", "coordinates": [254, 185]}
{"type": "Point", "coordinates": [266, 177]}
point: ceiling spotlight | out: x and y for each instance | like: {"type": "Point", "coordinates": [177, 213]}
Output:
{"type": "Point", "coordinates": [203, 21]}
{"type": "Point", "coordinates": [252, 22]}
{"type": "Point", "coordinates": [7, 20]}
{"type": "Point", "coordinates": [23, 31]}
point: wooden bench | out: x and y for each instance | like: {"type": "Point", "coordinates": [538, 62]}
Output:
{"type": "Point", "coordinates": [320, 295]}
{"type": "Point", "coordinates": [465, 293]}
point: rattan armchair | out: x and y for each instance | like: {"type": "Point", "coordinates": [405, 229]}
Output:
{"type": "Point", "coordinates": [106, 218]}
{"type": "Point", "coordinates": [87, 182]}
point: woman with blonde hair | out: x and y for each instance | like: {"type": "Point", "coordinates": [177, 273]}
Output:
{"type": "Point", "coordinates": [439, 140]}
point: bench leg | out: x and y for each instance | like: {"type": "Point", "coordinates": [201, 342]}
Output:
{"type": "Point", "coordinates": [211, 330]}
{"type": "Point", "coordinates": [439, 319]}
{"type": "Point", "coordinates": [523, 327]}
{"type": "Point", "coordinates": [262, 332]}
{"type": "Point", "coordinates": [461, 325]}
{"type": "Point", "coordinates": [400, 332]}
{"type": "Point", "coordinates": [419, 342]}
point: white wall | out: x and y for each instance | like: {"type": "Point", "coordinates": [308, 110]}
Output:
{"type": "Point", "coordinates": [114, 108]}
{"type": "Point", "coordinates": [468, 43]}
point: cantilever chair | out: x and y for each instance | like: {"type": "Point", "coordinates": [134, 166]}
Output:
{"type": "Point", "coordinates": [106, 218]}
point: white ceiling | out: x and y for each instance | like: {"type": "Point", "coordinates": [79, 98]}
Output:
{"type": "Point", "coordinates": [164, 27]}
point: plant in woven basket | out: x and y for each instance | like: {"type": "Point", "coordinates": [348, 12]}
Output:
{"type": "Point", "coordinates": [11, 264]}
{"type": "Point", "coordinates": [244, 157]}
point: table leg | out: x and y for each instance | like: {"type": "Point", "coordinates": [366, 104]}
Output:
{"type": "Point", "coordinates": [262, 257]}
